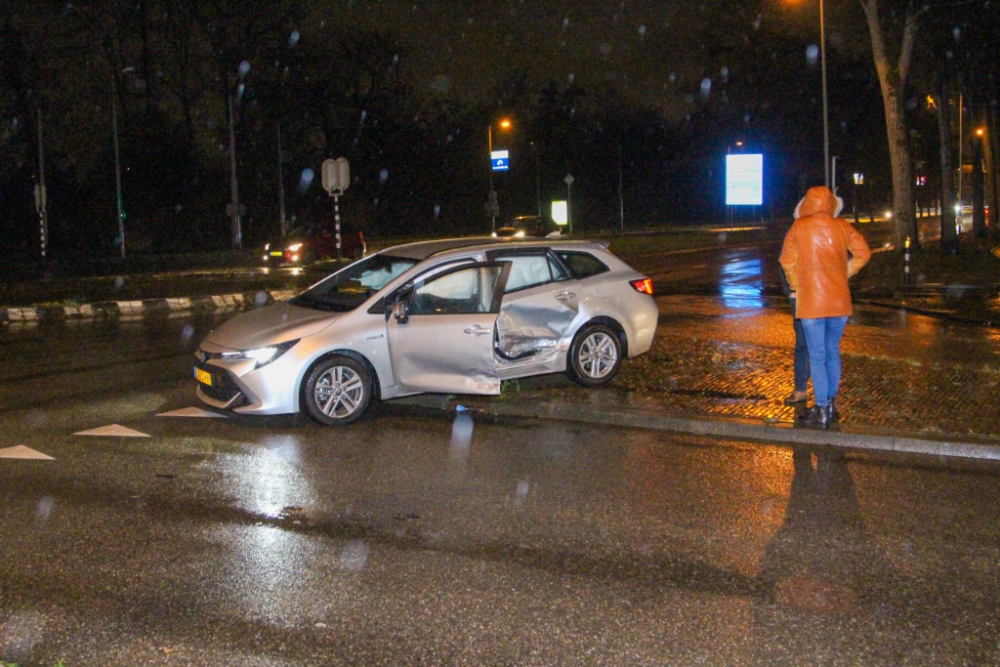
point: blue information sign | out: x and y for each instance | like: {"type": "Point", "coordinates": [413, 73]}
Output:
{"type": "Point", "coordinates": [501, 160]}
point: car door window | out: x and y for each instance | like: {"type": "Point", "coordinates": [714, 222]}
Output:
{"type": "Point", "coordinates": [531, 270]}
{"type": "Point", "coordinates": [464, 291]}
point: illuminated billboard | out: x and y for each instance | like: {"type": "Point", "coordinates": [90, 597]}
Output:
{"type": "Point", "coordinates": [745, 179]}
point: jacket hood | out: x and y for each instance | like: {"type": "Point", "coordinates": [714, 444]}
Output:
{"type": "Point", "coordinates": [819, 199]}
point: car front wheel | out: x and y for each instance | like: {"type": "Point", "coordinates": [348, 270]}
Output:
{"type": "Point", "coordinates": [337, 391]}
{"type": "Point", "coordinates": [595, 356]}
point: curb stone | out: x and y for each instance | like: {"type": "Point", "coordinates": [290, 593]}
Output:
{"type": "Point", "coordinates": [143, 308]}
{"type": "Point", "coordinates": [731, 428]}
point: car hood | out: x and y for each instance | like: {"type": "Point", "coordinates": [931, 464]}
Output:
{"type": "Point", "coordinates": [270, 325]}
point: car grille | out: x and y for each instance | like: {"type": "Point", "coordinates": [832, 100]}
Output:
{"type": "Point", "coordinates": [223, 388]}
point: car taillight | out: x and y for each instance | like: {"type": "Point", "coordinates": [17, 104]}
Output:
{"type": "Point", "coordinates": [644, 285]}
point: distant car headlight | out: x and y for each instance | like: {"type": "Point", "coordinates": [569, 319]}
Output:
{"type": "Point", "coordinates": [888, 214]}
{"type": "Point", "coordinates": [262, 355]}
{"type": "Point", "coordinates": [267, 246]}
{"type": "Point", "coordinates": [295, 247]}
{"type": "Point", "coordinates": [519, 234]}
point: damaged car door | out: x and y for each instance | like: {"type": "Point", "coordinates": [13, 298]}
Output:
{"type": "Point", "coordinates": [441, 330]}
{"type": "Point", "coordinates": [540, 304]}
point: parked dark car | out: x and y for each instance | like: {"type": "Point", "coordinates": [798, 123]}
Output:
{"type": "Point", "coordinates": [305, 245]}
{"type": "Point", "coordinates": [530, 226]}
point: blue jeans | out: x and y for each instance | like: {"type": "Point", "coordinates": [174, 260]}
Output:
{"type": "Point", "coordinates": [823, 336]}
{"type": "Point", "coordinates": [801, 363]}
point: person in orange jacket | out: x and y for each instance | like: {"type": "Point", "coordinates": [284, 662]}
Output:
{"type": "Point", "coordinates": [820, 253]}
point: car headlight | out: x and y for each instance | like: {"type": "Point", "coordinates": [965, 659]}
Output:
{"type": "Point", "coordinates": [267, 246]}
{"type": "Point", "coordinates": [262, 355]}
{"type": "Point", "coordinates": [295, 247]}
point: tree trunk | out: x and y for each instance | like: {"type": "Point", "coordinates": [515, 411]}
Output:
{"type": "Point", "coordinates": [902, 173]}
{"type": "Point", "coordinates": [892, 79]}
{"type": "Point", "coordinates": [949, 235]}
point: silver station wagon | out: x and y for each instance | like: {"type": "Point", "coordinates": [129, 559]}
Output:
{"type": "Point", "coordinates": [454, 316]}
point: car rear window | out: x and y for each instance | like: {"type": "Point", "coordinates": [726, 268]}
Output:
{"type": "Point", "coordinates": [583, 264]}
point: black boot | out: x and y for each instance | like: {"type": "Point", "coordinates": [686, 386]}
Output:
{"type": "Point", "coordinates": [834, 415]}
{"type": "Point", "coordinates": [817, 415]}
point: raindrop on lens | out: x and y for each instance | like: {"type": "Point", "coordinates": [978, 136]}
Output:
{"type": "Point", "coordinates": [437, 211]}
{"type": "Point", "coordinates": [305, 181]}
{"type": "Point", "coordinates": [642, 31]}
{"type": "Point", "coordinates": [383, 176]}
{"type": "Point", "coordinates": [44, 508]}
{"type": "Point", "coordinates": [119, 282]}
{"type": "Point", "coordinates": [260, 299]}
{"type": "Point", "coordinates": [354, 557]}
{"type": "Point", "coordinates": [812, 55]}
{"type": "Point", "coordinates": [242, 70]}
{"type": "Point", "coordinates": [187, 332]}
{"type": "Point", "coordinates": [706, 87]}
{"type": "Point", "coordinates": [293, 39]}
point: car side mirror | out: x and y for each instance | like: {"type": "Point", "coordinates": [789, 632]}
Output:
{"type": "Point", "coordinates": [401, 311]}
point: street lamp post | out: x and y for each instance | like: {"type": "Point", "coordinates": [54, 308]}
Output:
{"type": "Point", "coordinates": [492, 201]}
{"type": "Point", "coordinates": [234, 188]}
{"type": "Point", "coordinates": [492, 204]}
{"type": "Point", "coordinates": [826, 126]}
{"type": "Point", "coordinates": [118, 165]}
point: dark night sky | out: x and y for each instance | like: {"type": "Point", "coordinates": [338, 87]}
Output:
{"type": "Point", "coordinates": [652, 50]}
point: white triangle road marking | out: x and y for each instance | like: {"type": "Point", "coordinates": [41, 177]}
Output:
{"type": "Point", "coordinates": [191, 412]}
{"type": "Point", "coordinates": [112, 430]}
{"type": "Point", "coordinates": [22, 452]}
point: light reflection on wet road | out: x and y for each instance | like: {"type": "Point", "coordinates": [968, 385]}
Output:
{"type": "Point", "coordinates": [734, 295]}
{"type": "Point", "coordinates": [422, 538]}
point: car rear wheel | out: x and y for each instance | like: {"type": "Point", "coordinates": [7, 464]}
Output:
{"type": "Point", "coordinates": [337, 391]}
{"type": "Point", "coordinates": [595, 356]}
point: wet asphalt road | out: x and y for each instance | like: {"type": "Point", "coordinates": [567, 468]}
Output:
{"type": "Point", "coordinates": [420, 538]}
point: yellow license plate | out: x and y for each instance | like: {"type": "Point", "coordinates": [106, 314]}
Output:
{"type": "Point", "coordinates": [276, 253]}
{"type": "Point", "coordinates": [203, 377]}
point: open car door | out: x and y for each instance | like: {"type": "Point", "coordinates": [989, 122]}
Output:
{"type": "Point", "coordinates": [540, 304]}
{"type": "Point", "coordinates": [441, 330]}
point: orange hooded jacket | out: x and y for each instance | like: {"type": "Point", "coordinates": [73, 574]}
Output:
{"type": "Point", "coordinates": [819, 254]}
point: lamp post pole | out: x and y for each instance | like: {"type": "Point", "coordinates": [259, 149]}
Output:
{"type": "Point", "coordinates": [118, 166]}
{"type": "Point", "coordinates": [492, 200]}
{"type": "Point", "coordinates": [826, 126]}
{"type": "Point", "coordinates": [234, 188]}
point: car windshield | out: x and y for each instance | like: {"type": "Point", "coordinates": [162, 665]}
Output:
{"type": "Point", "coordinates": [351, 287]}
